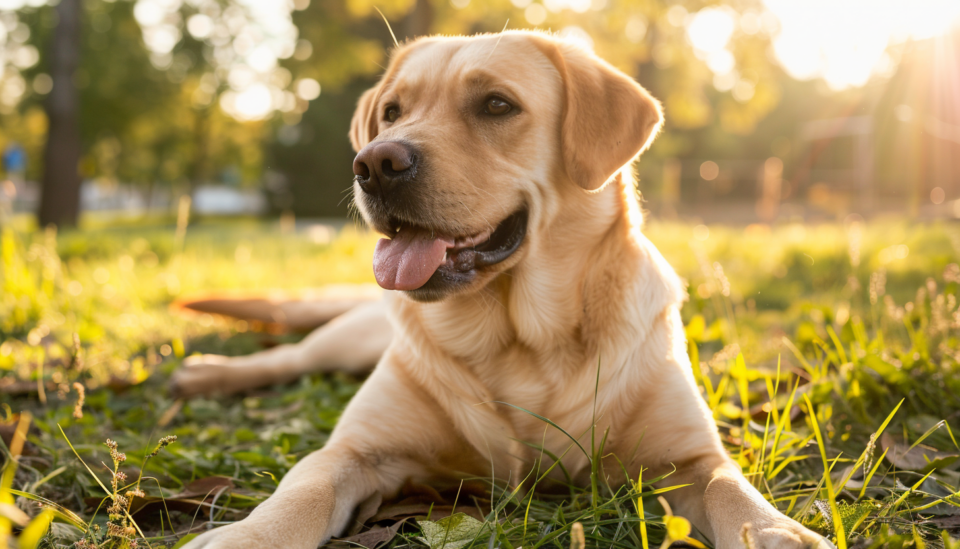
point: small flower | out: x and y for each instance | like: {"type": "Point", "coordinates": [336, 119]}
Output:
{"type": "Point", "coordinates": [164, 442]}
{"type": "Point", "coordinates": [119, 506]}
{"type": "Point", "coordinates": [116, 531]}
{"type": "Point", "coordinates": [121, 476]}
{"type": "Point", "coordinates": [81, 396]}
{"type": "Point", "coordinates": [136, 492]}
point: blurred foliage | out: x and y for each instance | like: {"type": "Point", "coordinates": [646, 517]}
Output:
{"type": "Point", "coordinates": [166, 126]}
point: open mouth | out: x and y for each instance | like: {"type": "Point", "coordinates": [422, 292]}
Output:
{"type": "Point", "coordinates": [416, 257]}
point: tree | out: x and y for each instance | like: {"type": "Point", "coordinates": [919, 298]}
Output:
{"type": "Point", "coordinates": [60, 194]}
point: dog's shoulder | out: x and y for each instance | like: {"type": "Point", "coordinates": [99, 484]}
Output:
{"type": "Point", "coordinates": [628, 287]}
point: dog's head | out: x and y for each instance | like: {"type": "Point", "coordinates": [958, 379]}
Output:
{"type": "Point", "coordinates": [467, 145]}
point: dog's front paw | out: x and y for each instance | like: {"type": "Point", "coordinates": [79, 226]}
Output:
{"type": "Point", "coordinates": [782, 534]}
{"type": "Point", "coordinates": [247, 535]}
{"type": "Point", "coordinates": [201, 375]}
{"type": "Point", "coordinates": [234, 536]}
{"type": "Point", "coordinates": [216, 374]}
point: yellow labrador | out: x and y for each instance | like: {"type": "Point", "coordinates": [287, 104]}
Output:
{"type": "Point", "coordinates": [499, 167]}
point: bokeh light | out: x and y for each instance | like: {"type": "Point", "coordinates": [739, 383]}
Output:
{"type": "Point", "coordinates": [244, 41]}
{"type": "Point", "coordinates": [845, 42]}
{"type": "Point", "coordinates": [709, 170]}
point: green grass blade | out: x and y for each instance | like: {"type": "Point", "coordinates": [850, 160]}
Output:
{"type": "Point", "coordinates": [836, 343]}
{"type": "Point", "coordinates": [62, 512]}
{"type": "Point", "coordinates": [905, 495]}
{"type": "Point", "coordinates": [876, 436]}
{"type": "Point", "coordinates": [548, 422]}
{"type": "Point", "coordinates": [781, 425]}
{"type": "Point", "coordinates": [929, 432]}
{"type": "Point", "coordinates": [95, 477]}
{"type": "Point", "coordinates": [837, 520]}
{"type": "Point", "coordinates": [952, 439]}
{"type": "Point", "coordinates": [34, 532]}
{"type": "Point", "coordinates": [644, 540]}
{"type": "Point", "coordinates": [866, 479]}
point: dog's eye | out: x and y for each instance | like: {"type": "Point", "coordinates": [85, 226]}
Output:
{"type": "Point", "coordinates": [392, 113]}
{"type": "Point", "coordinates": [497, 106]}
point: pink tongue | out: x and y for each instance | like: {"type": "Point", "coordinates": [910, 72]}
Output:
{"type": "Point", "coordinates": [409, 259]}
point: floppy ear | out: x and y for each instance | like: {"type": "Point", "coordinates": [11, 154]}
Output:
{"type": "Point", "coordinates": [363, 127]}
{"type": "Point", "coordinates": [608, 119]}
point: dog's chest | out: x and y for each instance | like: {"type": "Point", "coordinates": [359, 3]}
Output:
{"type": "Point", "coordinates": [562, 387]}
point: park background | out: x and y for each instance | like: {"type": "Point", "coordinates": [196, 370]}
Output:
{"type": "Point", "coordinates": [773, 109]}
{"type": "Point", "coordinates": [806, 186]}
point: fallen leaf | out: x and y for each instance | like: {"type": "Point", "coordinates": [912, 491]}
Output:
{"type": "Point", "coordinates": [944, 522]}
{"type": "Point", "coordinates": [366, 510]}
{"type": "Point", "coordinates": [421, 500]}
{"type": "Point", "coordinates": [207, 486]}
{"type": "Point", "coordinates": [199, 494]}
{"type": "Point", "coordinates": [373, 538]}
{"type": "Point", "coordinates": [453, 532]}
{"type": "Point", "coordinates": [919, 458]}
{"type": "Point", "coordinates": [404, 511]}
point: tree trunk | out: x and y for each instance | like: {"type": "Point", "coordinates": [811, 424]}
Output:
{"type": "Point", "coordinates": [201, 129]}
{"type": "Point", "coordinates": [60, 193]}
{"type": "Point", "coordinates": [418, 22]}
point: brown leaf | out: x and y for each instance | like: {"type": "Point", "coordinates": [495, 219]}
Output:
{"type": "Point", "coordinates": [367, 509]}
{"type": "Point", "coordinates": [419, 500]}
{"type": "Point", "coordinates": [413, 510]}
{"type": "Point", "coordinates": [373, 538]}
{"type": "Point", "coordinates": [198, 494]}
{"type": "Point", "coordinates": [917, 458]}
{"type": "Point", "coordinates": [207, 486]}
{"type": "Point", "coordinates": [150, 504]}
{"type": "Point", "coordinates": [945, 522]}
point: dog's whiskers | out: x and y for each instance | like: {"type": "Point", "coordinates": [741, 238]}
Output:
{"type": "Point", "coordinates": [498, 40]}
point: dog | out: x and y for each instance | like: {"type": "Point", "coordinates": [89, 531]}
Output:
{"type": "Point", "coordinates": [499, 167]}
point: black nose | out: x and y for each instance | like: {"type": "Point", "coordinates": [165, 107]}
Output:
{"type": "Point", "coordinates": [383, 164]}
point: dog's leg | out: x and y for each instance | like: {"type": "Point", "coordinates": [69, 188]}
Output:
{"type": "Point", "coordinates": [314, 501]}
{"type": "Point", "coordinates": [390, 432]}
{"type": "Point", "coordinates": [305, 312]}
{"type": "Point", "coordinates": [720, 502]}
{"type": "Point", "coordinates": [352, 342]}
{"type": "Point", "coordinates": [728, 509]}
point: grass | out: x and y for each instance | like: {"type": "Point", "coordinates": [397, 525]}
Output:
{"type": "Point", "coordinates": [819, 349]}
